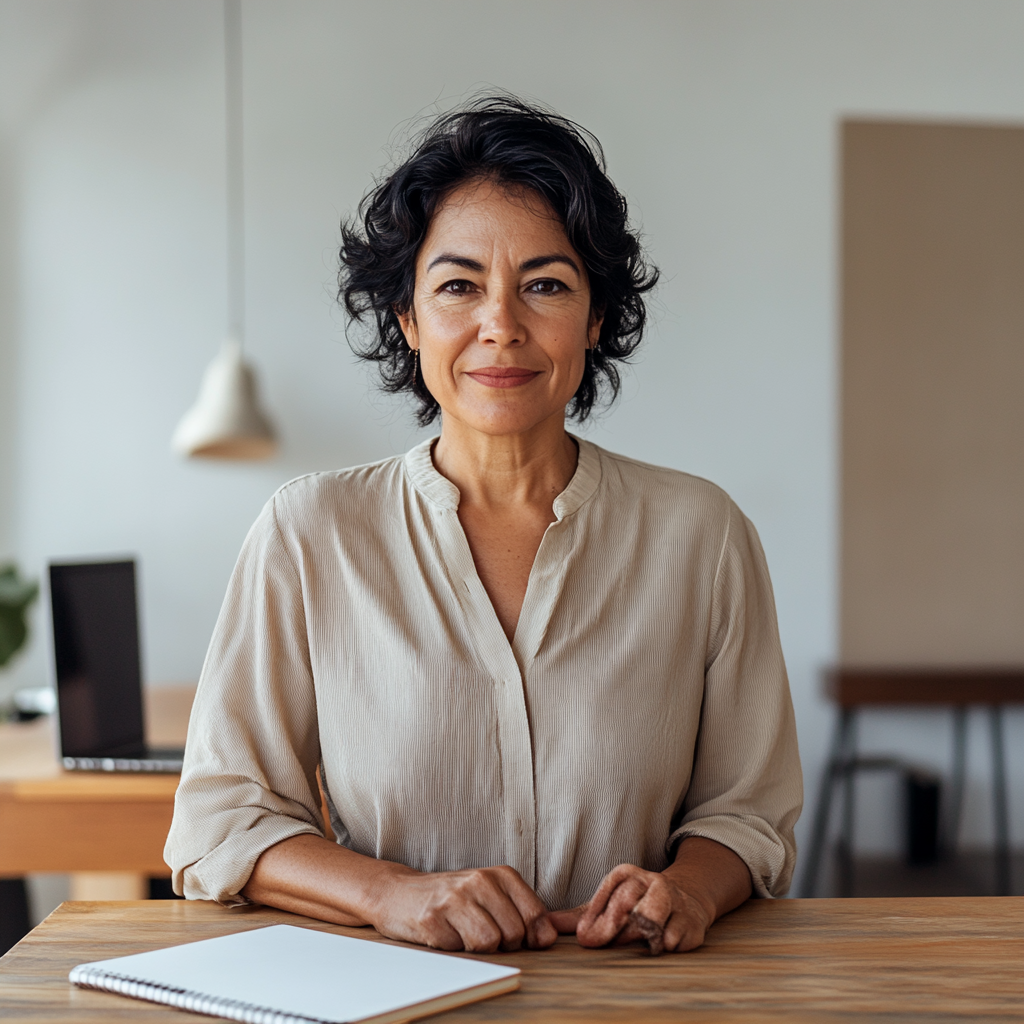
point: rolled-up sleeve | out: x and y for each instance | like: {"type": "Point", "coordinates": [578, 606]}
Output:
{"type": "Point", "coordinates": [249, 779]}
{"type": "Point", "coordinates": [746, 788]}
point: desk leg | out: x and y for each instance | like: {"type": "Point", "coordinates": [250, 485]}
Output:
{"type": "Point", "coordinates": [1001, 813]}
{"type": "Point", "coordinates": [956, 797]}
{"type": "Point", "coordinates": [829, 777]}
{"type": "Point", "coordinates": [846, 839]}
{"type": "Point", "coordinates": [108, 885]}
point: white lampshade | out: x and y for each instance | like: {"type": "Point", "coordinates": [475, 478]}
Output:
{"type": "Point", "coordinates": [226, 421]}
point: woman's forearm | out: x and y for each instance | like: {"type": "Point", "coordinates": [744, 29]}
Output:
{"type": "Point", "coordinates": [317, 878]}
{"type": "Point", "coordinates": [478, 909]}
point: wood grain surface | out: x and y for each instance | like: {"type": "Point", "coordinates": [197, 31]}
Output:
{"type": "Point", "coordinates": [897, 960]}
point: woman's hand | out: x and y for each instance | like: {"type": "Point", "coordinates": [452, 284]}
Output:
{"type": "Point", "coordinates": [479, 910]}
{"type": "Point", "coordinates": [671, 910]}
{"type": "Point", "coordinates": [632, 904]}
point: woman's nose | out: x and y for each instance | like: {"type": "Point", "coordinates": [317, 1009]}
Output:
{"type": "Point", "coordinates": [500, 323]}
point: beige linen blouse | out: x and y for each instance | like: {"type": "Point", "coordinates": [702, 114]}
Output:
{"type": "Point", "coordinates": [643, 699]}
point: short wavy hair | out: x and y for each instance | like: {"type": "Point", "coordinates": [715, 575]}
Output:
{"type": "Point", "coordinates": [520, 146]}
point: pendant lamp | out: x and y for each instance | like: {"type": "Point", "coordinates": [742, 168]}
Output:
{"type": "Point", "coordinates": [226, 421]}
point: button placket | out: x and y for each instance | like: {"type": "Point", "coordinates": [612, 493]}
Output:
{"type": "Point", "coordinates": [509, 696]}
{"type": "Point", "coordinates": [508, 665]}
{"type": "Point", "coordinates": [542, 592]}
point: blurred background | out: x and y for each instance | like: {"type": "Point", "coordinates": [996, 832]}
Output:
{"type": "Point", "coordinates": [726, 124]}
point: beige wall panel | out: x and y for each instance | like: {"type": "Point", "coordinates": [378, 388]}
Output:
{"type": "Point", "coordinates": [932, 394]}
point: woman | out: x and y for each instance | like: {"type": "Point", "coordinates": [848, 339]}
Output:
{"type": "Point", "coordinates": [542, 683]}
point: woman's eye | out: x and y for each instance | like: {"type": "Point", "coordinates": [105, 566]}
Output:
{"type": "Point", "coordinates": [546, 287]}
{"type": "Point", "coordinates": [457, 287]}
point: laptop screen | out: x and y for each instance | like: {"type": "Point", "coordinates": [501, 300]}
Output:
{"type": "Point", "coordinates": [96, 652]}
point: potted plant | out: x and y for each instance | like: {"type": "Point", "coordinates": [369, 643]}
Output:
{"type": "Point", "coordinates": [16, 596]}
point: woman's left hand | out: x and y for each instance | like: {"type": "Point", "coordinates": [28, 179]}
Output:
{"type": "Point", "coordinates": [671, 910]}
{"type": "Point", "coordinates": [632, 904]}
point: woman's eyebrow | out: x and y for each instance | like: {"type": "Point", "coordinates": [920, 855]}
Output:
{"type": "Point", "coordinates": [458, 261]}
{"type": "Point", "coordinates": [543, 261]}
{"type": "Point", "coordinates": [451, 259]}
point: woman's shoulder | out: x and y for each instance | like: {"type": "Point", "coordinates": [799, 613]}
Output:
{"type": "Point", "coordinates": [354, 489]}
{"type": "Point", "coordinates": [649, 483]}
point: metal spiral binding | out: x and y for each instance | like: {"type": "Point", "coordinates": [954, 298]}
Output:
{"type": "Point", "coordinates": [182, 999]}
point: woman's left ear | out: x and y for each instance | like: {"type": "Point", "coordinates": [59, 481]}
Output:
{"type": "Point", "coordinates": [594, 328]}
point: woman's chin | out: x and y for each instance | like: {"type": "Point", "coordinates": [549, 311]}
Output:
{"type": "Point", "coordinates": [505, 417]}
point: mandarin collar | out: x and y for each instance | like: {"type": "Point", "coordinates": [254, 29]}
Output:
{"type": "Point", "coordinates": [440, 491]}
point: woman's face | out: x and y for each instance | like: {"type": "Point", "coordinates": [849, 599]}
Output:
{"type": "Point", "coordinates": [501, 311]}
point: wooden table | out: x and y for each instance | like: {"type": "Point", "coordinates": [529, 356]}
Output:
{"type": "Point", "coordinates": [106, 830]}
{"type": "Point", "coordinates": [898, 960]}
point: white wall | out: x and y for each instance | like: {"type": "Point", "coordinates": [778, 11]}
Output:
{"type": "Point", "coordinates": [719, 118]}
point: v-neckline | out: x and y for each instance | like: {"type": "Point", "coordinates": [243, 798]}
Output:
{"type": "Point", "coordinates": [538, 601]}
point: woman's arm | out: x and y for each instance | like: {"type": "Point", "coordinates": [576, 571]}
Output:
{"type": "Point", "coordinates": [672, 909]}
{"type": "Point", "coordinates": [478, 910]}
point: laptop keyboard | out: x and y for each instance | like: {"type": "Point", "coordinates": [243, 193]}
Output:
{"type": "Point", "coordinates": [122, 764]}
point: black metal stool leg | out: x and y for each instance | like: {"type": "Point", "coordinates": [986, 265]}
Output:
{"type": "Point", "coordinates": [1001, 812]}
{"type": "Point", "coordinates": [819, 829]}
{"type": "Point", "coordinates": [956, 796]}
{"type": "Point", "coordinates": [846, 835]}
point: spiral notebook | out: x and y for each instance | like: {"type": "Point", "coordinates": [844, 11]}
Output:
{"type": "Point", "coordinates": [289, 975]}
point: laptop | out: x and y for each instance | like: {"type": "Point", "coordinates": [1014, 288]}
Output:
{"type": "Point", "coordinates": [99, 674]}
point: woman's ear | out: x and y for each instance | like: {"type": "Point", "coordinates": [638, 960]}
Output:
{"type": "Point", "coordinates": [594, 328]}
{"type": "Point", "coordinates": [407, 321]}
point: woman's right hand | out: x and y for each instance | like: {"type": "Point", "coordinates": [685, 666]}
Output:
{"type": "Point", "coordinates": [479, 910]}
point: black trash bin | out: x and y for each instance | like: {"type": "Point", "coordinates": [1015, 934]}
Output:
{"type": "Point", "coordinates": [923, 795]}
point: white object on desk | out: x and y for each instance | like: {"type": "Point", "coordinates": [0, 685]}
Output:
{"type": "Point", "coordinates": [289, 975]}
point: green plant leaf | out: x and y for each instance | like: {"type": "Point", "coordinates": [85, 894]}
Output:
{"type": "Point", "coordinates": [16, 596]}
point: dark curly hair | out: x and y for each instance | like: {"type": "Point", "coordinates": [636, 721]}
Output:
{"type": "Point", "coordinates": [523, 147]}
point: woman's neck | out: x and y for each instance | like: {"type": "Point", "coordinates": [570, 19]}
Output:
{"type": "Point", "coordinates": [507, 470]}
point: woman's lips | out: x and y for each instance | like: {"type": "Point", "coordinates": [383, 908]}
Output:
{"type": "Point", "coordinates": [503, 376]}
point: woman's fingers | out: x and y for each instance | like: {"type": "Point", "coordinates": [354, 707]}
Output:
{"type": "Point", "coordinates": [632, 904]}
{"type": "Point", "coordinates": [670, 911]}
{"type": "Point", "coordinates": [477, 929]}
{"type": "Point", "coordinates": [442, 935]}
{"type": "Point", "coordinates": [518, 912]}
{"type": "Point", "coordinates": [487, 909]}
{"type": "Point", "coordinates": [688, 925]}
{"type": "Point", "coordinates": [657, 902]}
{"type": "Point", "coordinates": [683, 932]}
{"type": "Point", "coordinates": [479, 910]}
{"type": "Point", "coordinates": [609, 912]}
{"type": "Point", "coordinates": [565, 922]}
{"type": "Point", "coordinates": [650, 931]}
{"type": "Point", "coordinates": [608, 885]}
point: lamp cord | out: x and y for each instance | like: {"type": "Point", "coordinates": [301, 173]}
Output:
{"type": "Point", "coordinates": [235, 173]}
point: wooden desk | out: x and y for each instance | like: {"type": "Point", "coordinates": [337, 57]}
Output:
{"type": "Point", "coordinates": [903, 960]}
{"type": "Point", "coordinates": [107, 830]}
